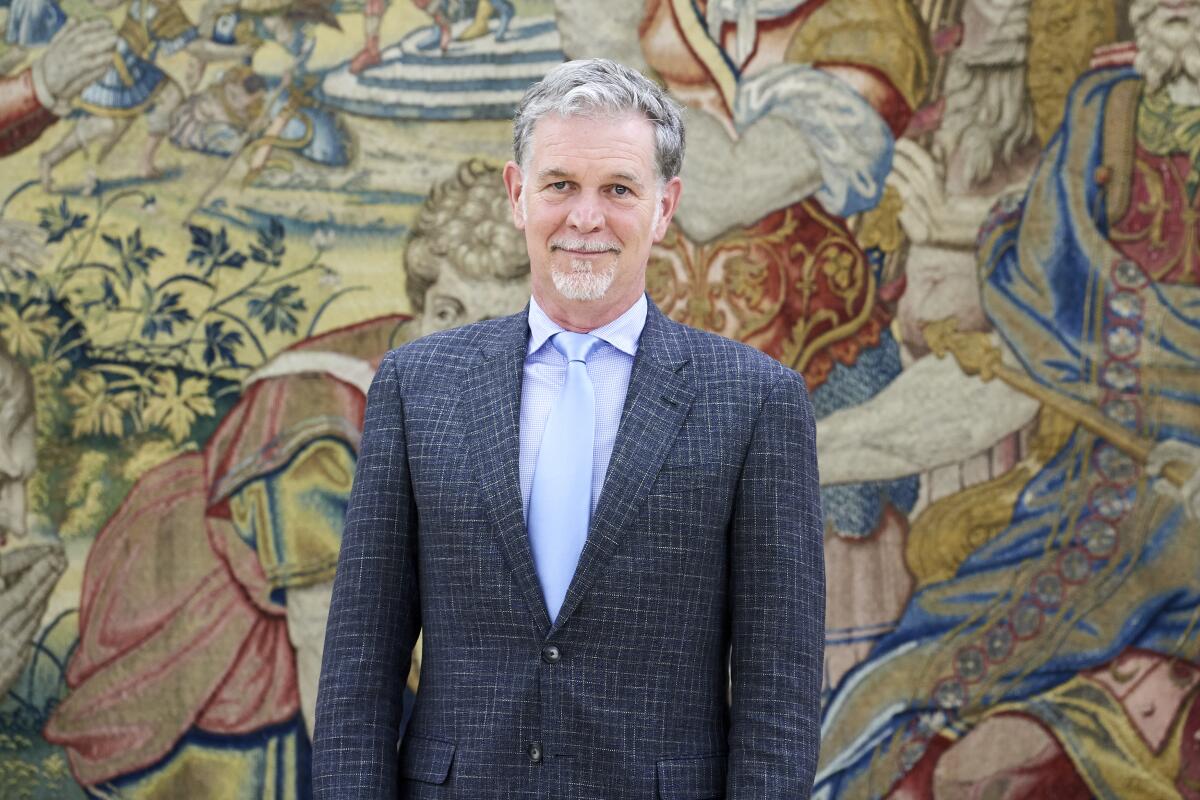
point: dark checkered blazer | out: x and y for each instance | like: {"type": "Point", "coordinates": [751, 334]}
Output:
{"type": "Point", "coordinates": [703, 564]}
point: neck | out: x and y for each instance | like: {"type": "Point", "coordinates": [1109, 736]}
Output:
{"type": "Point", "coordinates": [583, 316]}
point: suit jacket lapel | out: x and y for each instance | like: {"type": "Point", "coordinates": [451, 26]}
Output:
{"type": "Point", "coordinates": [659, 397]}
{"type": "Point", "coordinates": [493, 407]}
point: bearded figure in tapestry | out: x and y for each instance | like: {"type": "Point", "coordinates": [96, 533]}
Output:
{"type": "Point", "coordinates": [1050, 644]}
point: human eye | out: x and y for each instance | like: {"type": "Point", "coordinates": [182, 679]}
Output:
{"type": "Point", "coordinates": [446, 312]}
{"type": "Point", "coordinates": [560, 186]}
{"type": "Point", "coordinates": [621, 191]}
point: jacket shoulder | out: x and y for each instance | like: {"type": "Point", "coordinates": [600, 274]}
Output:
{"type": "Point", "coordinates": [445, 354]}
{"type": "Point", "coordinates": [715, 357]}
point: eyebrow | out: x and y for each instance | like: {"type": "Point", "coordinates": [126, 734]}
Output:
{"type": "Point", "coordinates": [552, 173]}
{"type": "Point", "coordinates": [627, 178]}
{"type": "Point", "coordinates": [557, 173]}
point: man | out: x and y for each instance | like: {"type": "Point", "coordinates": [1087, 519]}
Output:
{"type": "Point", "coordinates": [633, 612]}
{"type": "Point", "coordinates": [205, 596]}
{"type": "Point", "coordinates": [794, 107]}
{"type": "Point", "coordinates": [1051, 640]}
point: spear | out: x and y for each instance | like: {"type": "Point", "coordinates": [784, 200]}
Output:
{"type": "Point", "coordinates": [976, 355]}
{"type": "Point", "coordinates": [252, 131]}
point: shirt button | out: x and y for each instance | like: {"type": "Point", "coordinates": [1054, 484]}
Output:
{"type": "Point", "coordinates": [551, 654]}
{"type": "Point", "coordinates": [535, 753]}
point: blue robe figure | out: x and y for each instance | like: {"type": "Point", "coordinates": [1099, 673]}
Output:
{"type": "Point", "coordinates": [1096, 567]}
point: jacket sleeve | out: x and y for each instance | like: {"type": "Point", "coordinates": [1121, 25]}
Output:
{"type": "Point", "coordinates": [777, 593]}
{"type": "Point", "coordinates": [375, 614]}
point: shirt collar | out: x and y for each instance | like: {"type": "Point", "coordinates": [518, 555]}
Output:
{"type": "Point", "coordinates": [622, 333]}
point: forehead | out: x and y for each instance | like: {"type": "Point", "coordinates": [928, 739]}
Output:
{"type": "Point", "coordinates": [585, 144]}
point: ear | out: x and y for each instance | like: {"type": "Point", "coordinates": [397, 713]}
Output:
{"type": "Point", "coordinates": [514, 183]}
{"type": "Point", "coordinates": [669, 203]}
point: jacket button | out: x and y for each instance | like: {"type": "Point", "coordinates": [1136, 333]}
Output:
{"type": "Point", "coordinates": [551, 654]}
{"type": "Point", "coordinates": [535, 753]}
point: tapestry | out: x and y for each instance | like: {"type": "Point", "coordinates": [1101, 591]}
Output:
{"type": "Point", "coordinates": [973, 226]}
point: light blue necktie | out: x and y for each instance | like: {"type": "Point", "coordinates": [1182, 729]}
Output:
{"type": "Point", "coordinates": [560, 502]}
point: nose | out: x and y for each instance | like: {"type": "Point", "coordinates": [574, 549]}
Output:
{"type": "Point", "coordinates": [586, 215]}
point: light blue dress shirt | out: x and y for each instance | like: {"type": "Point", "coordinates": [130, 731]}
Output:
{"type": "Point", "coordinates": [546, 370]}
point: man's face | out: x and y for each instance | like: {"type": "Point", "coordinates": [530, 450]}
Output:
{"type": "Point", "coordinates": [1168, 40]}
{"type": "Point", "coordinates": [590, 205]}
{"type": "Point", "coordinates": [454, 300]}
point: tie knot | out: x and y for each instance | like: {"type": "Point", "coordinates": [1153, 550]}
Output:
{"type": "Point", "coordinates": [575, 346]}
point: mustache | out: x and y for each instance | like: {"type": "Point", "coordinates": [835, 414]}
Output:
{"type": "Point", "coordinates": [584, 246]}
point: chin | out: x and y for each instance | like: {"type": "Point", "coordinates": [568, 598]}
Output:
{"type": "Point", "coordinates": [582, 288]}
{"type": "Point", "coordinates": [582, 281]}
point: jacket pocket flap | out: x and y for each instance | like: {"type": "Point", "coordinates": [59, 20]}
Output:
{"type": "Point", "coordinates": [678, 480]}
{"type": "Point", "coordinates": [692, 778]}
{"type": "Point", "coordinates": [425, 759]}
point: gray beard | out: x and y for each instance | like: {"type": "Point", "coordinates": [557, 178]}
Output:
{"type": "Point", "coordinates": [580, 282]}
{"type": "Point", "coordinates": [988, 116]}
{"type": "Point", "coordinates": [1165, 56]}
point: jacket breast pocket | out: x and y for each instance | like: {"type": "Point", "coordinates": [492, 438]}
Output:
{"type": "Point", "coordinates": [692, 778]}
{"type": "Point", "coordinates": [684, 480]}
{"type": "Point", "coordinates": [424, 759]}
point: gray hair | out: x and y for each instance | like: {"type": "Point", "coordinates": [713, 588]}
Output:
{"type": "Point", "coordinates": [595, 87]}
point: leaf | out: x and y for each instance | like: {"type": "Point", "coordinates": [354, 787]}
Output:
{"type": "Point", "coordinates": [59, 221]}
{"type": "Point", "coordinates": [201, 244]}
{"type": "Point", "coordinates": [276, 311]}
{"type": "Point", "coordinates": [222, 344]}
{"type": "Point", "coordinates": [27, 331]}
{"type": "Point", "coordinates": [270, 247]}
{"type": "Point", "coordinates": [135, 257]}
{"type": "Point", "coordinates": [48, 373]}
{"type": "Point", "coordinates": [164, 317]}
{"type": "Point", "coordinates": [96, 409]}
{"type": "Point", "coordinates": [211, 252]}
{"type": "Point", "coordinates": [176, 406]}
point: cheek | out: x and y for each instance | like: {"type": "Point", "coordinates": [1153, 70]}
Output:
{"type": "Point", "coordinates": [635, 240]}
{"type": "Point", "coordinates": [542, 219]}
